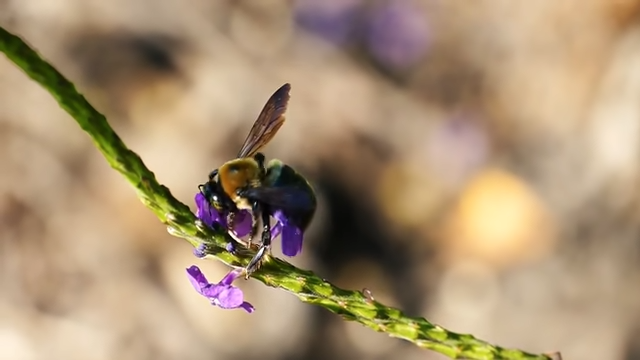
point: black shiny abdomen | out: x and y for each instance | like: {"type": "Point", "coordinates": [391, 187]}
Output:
{"type": "Point", "coordinates": [282, 175]}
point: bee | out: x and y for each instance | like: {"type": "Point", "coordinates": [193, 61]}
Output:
{"type": "Point", "coordinates": [266, 190]}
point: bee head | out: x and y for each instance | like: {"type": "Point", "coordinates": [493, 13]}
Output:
{"type": "Point", "coordinates": [210, 191]}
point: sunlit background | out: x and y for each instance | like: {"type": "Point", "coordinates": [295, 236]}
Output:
{"type": "Point", "coordinates": [476, 163]}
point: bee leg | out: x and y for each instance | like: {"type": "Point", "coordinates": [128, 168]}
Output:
{"type": "Point", "coordinates": [265, 247]}
{"type": "Point", "coordinates": [231, 217]}
{"type": "Point", "coordinates": [255, 213]}
{"type": "Point", "coordinates": [237, 239]}
{"type": "Point", "coordinates": [266, 228]}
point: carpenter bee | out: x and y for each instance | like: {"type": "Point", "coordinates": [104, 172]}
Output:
{"type": "Point", "coordinates": [266, 190]}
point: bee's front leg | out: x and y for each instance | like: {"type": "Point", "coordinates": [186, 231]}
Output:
{"type": "Point", "coordinates": [231, 218]}
{"type": "Point", "coordinates": [265, 246]}
{"type": "Point", "coordinates": [255, 215]}
{"type": "Point", "coordinates": [266, 228]}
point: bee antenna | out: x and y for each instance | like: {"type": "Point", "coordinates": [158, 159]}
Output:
{"type": "Point", "coordinates": [201, 188]}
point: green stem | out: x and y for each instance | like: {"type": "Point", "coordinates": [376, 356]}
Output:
{"type": "Point", "coordinates": [351, 305]}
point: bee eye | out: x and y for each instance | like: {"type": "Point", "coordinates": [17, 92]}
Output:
{"type": "Point", "coordinates": [215, 201]}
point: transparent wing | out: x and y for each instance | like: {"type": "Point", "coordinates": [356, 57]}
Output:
{"type": "Point", "coordinates": [269, 121]}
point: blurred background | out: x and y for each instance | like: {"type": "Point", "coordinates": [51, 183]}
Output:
{"type": "Point", "coordinates": [477, 163]}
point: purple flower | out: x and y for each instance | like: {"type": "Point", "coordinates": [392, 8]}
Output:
{"type": "Point", "coordinates": [398, 34]}
{"type": "Point", "coordinates": [291, 234]}
{"type": "Point", "coordinates": [333, 20]}
{"type": "Point", "coordinates": [209, 215]}
{"type": "Point", "coordinates": [200, 251]}
{"type": "Point", "coordinates": [222, 294]}
{"type": "Point", "coordinates": [458, 147]}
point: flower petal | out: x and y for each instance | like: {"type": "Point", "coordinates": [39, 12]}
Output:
{"type": "Point", "coordinates": [197, 279]}
{"type": "Point", "coordinates": [230, 298]}
{"type": "Point", "coordinates": [242, 223]}
{"type": "Point", "coordinates": [291, 240]}
{"type": "Point", "coordinates": [230, 277]}
{"type": "Point", "coordinates": [230, 247]}
{"type": "Point", "coordinates": [276, 230]}
{"type": "Point", "coordinates": [247, 307]}
{"type": "Point", "coordinates": [279, 215]}
{"type": "Point", "coordinates": [222, 294]}
{"type": "Point", "coordinates": [207, 213]}
{"type": "Point", "coordinates": [212, 291]}
{"type": "Point", "coordinates": [292, 236]}
{"type": "Point", "coordinates": [200, 251]}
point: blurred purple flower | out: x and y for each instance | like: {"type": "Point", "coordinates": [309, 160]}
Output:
{"type": "Point", "coordinates": [398, 34]}
{"type": "Point", "coordinates": [333, 20]}
{"type": "Point", "coordinates": [209, 215]}
{"type": "Point", "coordinates": [457, 147]}
{"type": "Point", "coordinates": [222, 294]}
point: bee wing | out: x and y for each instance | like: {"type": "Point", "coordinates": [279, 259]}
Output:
{"type": "Point", "coordinates": [285, 197]}
{"type": "Point", "coordinates": [269, 121]}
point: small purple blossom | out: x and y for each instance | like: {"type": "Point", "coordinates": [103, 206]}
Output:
{"type": "Point", "coordinates": [231, 247]}
{"type": "Point", "coordinates": [398, 34]}
{"type": "Point", "coordinates": [458, 147]}
{"type": "Point", "coordinates": [200, 251]}
{"type": "Point", "coordinates": [332, 20]}
{"type": "Point", "coordinates": [222, 294]}
{"type": "Point", "coordinates": [209, 215]}
{"type": "Point", "coordinates": [291, 235]}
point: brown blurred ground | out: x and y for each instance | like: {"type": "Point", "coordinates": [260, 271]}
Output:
{"type": "Point", "coordinates": [477, 164]}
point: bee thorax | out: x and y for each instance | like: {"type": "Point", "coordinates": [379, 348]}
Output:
{"type": "Point", "coordinates": [242, 203]}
